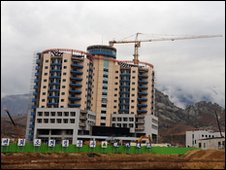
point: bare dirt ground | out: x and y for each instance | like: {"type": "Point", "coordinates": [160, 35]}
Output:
{"type": "Point", "coordinates": [210, 159]}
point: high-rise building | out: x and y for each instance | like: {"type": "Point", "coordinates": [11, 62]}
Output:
{"type": "Point", "coordinates": [75, 90]}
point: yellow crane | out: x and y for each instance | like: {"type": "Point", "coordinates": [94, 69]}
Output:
{"type": "Point", "coordinates": [138, 42]}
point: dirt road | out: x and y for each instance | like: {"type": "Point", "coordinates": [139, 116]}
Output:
{"type": "Point", "coordinates": [210, 159]}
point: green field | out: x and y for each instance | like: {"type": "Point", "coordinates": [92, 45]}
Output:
{"type": "Point", "coordinates": [110, 149]}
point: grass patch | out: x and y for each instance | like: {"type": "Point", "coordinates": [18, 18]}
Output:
{"type": "Point", "coordinates": [110, 149]}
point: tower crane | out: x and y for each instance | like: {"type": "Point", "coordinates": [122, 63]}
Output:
{"type": "Point", "coordinates": [138, 42]}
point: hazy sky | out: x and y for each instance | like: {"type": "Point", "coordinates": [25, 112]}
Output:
{"type": "Point", "coordinates": [193, 69]}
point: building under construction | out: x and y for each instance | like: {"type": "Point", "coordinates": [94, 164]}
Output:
{"type": "Point", "coordinates": [75, 90]}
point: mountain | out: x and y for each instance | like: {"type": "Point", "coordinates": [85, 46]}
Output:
{"type": "Point", "coordinates": [16, 104]}
{"type": "Point", "coordinates": [173, 120]}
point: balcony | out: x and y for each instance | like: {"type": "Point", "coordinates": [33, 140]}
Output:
{"type": "Point", "coordinates": [142, 99]}
{"type": "Point", "coordinates": [35, 86]}
{"type": "Point", "coordinates": [36, 81]}
{"type": "Point", "coordinates": [141, 111]}
{"type": "Point", "coordinates": [56, 70]}
{"type": "Point", "coordinates": [125, 86]}
{"type": "Point", "coordinates": [140, 128]}
{"type": "Point", "coordinates": [140, 122]}
{"type": "Point", "coordinates": [52, 90]}
{"type": "Point", "coordinates": [76, 78]}
{"type": "Point", "coordinates": [55, 77]}
{"type": "Point", "coordinates": [74, 98]}
{"type": "Point", "coordinates": [143, 81]}
{"type": "Point", "coordinates": [74, 105]}
{"type": "Point", "coordinates": [142, 105]}
{"type": "Point", "coordinates": [53, 97]}
{"type": "Point", "coordinates": [75, 91]}
{"type": "Point", "coordinates": [82, 124]}
{"type": "Point", "coordinates": [76, 65]}
{"type": "Point", "coordinates": [54, 83]}
{"type": "Point", "coordinates": [76, 72]}
{"type": "Point", "coordinates": [83, 118]}
{"type": "Point", "coordinates": [37, 68]}
{"type": "Point", "coordinates": [142, 93]}
{"type": "Point", "coordinates": [36, 74]}
{"type": "Point", "coordinates": [143, 75]}
{"type": "Point", "coordinates": [52, 104]}
{"type": "Point", "coordinates": [75, 85]}
{"type": "Point", "coordinates": [33, 100]}
{"type": "Point", "coordinates": [35, 93]}
{"type": "Point", "coordinates": [55, 64]}
{"type": "Point", "coordinates": [143, 87]}
{"type": "Point", "coordinates": [140, 116]}
{"type": "Point", "coordinates": [125, 74]}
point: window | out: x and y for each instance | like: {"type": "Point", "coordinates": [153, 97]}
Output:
{"type": "Point", "coordinates": [46, 120]}
{"type": "Point", "coordinates": [59, 120]}
{"type": "Point", "coordinates": [115, 95]}
{"type": "Point", "coordinates": [46, 114]}
{"type": "Point", "coordinates": [124, 125]}
{"type": "Point", "coordinates": [116, 83]}
{"type": "Point", "coordinates": [131, 119]}
{"type": "Point", "coordinates": [113, 125]}
{"type": "Point", "coordinates": [47, 61]}
{"type": "Point", "coordinates": [65, 67]}
{"type": "Point", "coordinates": [115, 107]}
{"type": "Point", "coordinates": [102, 124]}
{"type": "Point", "coordinates": [65, 120]}
{"type": "Point", "coordinates": [103, 118]}
{"type": "Point", "coordinates": [72, 120]}
{"type": "Point", "coordinates": [62, 100]}
{"type": "Point", "coordinates": [64, 80]}
{"type": "Point", "coordinates": [103, 105]}
{"type": "Point", "coordinates": [116, 89]}
{"type": "Point", "coordinates": [131, 125]}
{"type": "Point", "coordinates": [132, 101]}
{"type": "Point", "coordinates": [115, 101]}
{"type": "Point", "coordinates": [63, 93]}
{"type": "Point", "coordinates": [45, 80]}
{"type": "Point", "coordinates": [65, 60]}
{"type": "Point", "coordinates": [46, 67]}
{"type": "Point", "coordinates": [113, 119]}
{"type": "Point", "coordinates": [44, 87]}
{"type": "Point", "coordinates": [104, 93]}
{"type": "Point", "coordinates": [134, 71]}
{"type": "Point", "coordinates": [66, 114]}
{"type": "Point", "coordinates": [105, 87]}
{"type": "Point", "coordinates": [116, 71]}
{"type": "Point", "coordinates": [52, 120]}
{"type": "Point", "coordinates": [133, 82]}
{"type": "Point", "coordinates": [116, 77]}
{"type": "Point", "coordinates": [133, 89]}
{"type": "Point", "coordinates": [103, 111]}
{"type": "Point", "coordinates": [133, 77]}
{"type": "Point", "coordinates": [44, 93]}
{"type": "Point", "coordinates": [64, 73]}
{"type": "Point", "coordinates": [133, 94]}
{"type": "Point", "coordinates": [59, 113]}
{"type": "Point", "coordinates": [105, 76]}
{"type": "Point", "coordinates": [39, 120]}
{"type": "Point", "coordinates": [45, 74]}
{"type": "Point", "coordinates": [72, 113]}
{"type": "Point", "coordinates": [39, 113]}
{"type": "Point", "coordinates": [119, 119]}
{"type": "Point", "coordinates": [63, 87]}
{"type": "Point", "coordinates": [125, 119]}
{"type": "Point", "coordinates": [53, 114]}
{"type": "Point", "coordinates": [43, 100]}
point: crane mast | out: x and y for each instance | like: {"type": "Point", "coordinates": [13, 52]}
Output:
{"type": "Point", "coordinates": [137, 42]}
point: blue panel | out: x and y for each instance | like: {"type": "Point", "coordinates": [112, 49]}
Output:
{"type": "Point", "coordinates": [74, 105]}
{"type": "Point", "coordinates": [76, 78]}
{"type": "Point", "coordinates": [75, 85]}
{"type": "Point", "coordinates": [77, 65]}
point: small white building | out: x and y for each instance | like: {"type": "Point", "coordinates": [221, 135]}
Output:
{"type": "Point", "coordinates": [192, 137]}
{"type": "Point", "coordinates": [212, 143]}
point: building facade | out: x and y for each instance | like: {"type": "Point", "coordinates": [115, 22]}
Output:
{"type": "Point", "coordinates": [110, 92]}
{"type": "Point", "coordinates": [193, 138]}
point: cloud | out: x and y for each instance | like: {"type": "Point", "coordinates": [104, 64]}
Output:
{"type": "Point", "coordinates": [194, 66]}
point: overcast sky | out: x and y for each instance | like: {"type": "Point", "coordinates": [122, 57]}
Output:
{"type": "Point", "coordinates": [193, 69]}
